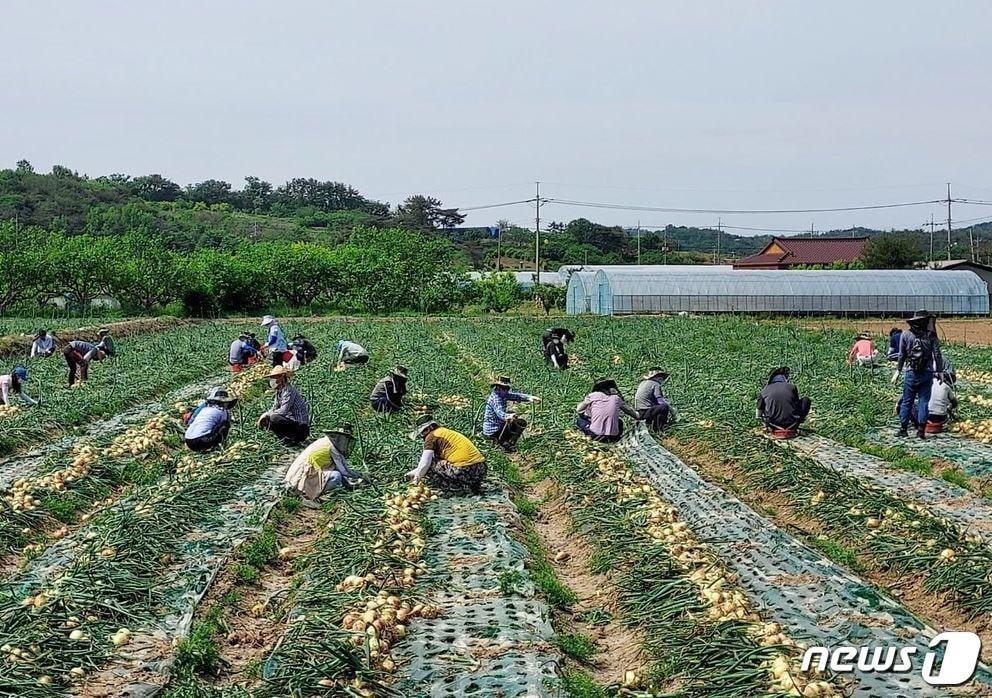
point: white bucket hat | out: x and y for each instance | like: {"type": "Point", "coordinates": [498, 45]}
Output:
{"type": "Point", "coordinates": [267, 320]}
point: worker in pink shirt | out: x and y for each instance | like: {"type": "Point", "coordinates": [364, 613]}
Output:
{"type": "Point", "coordinates": [863, 352]}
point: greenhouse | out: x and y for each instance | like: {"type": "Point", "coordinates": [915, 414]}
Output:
{"type": "Point", "coordinates": [581, 297]}
{"type": "Point", "coordinates": [719, 290]}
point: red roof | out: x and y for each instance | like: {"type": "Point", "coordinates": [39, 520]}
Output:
{"type": "Point", "coordinates": [782, 253]}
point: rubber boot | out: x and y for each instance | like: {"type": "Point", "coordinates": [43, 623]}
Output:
{"type": "Point", "coordinates": [921, 432]}
{"type": "Point", "coordinates": [903, 431]}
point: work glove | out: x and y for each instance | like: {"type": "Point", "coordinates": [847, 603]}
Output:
{"type": "Point", "coordinates": [895, 377]}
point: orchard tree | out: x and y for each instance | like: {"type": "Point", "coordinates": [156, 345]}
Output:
{"type": "Point", "coordinates": [86, 266]}
{"type": "Point", "coordinates": [25, 264]}
{"type": "Point", "coordinates": [148, 275]}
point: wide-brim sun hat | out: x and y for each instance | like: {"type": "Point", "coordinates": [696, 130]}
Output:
{"type": "Point", "coordinates": [501, 382]}
{"type": "Point", "coordinates": [605, 385]}
{"type": "Point", "coordinates": [656, 373]}
{"type": "Point", "coordinates": [267, 320]}
{"type": "Point", "coordinates": [221, 396]}
{"type": "Point", "coordinates": [422, 426]}
{"type": "Point", "coordinates": [279, 371]}
{"type": "Point", "coordinates": [399, 372]}
{"type": "Point", "coordinates": [863, 335]}
{"type": "Point", "coordinates": [344, 429]}
{"type": "Point", "coordinates": [920, 315]}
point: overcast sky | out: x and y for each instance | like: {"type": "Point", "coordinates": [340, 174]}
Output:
{"type": "Point", "coordinates": [755, 105]}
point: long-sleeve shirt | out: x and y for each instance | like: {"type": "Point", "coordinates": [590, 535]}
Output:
{"type": "Point", "coordinates": [448, 445]}
{"type": "Point", "coordinates": [42, 346]}
{"type": "Point", "coordinates": [276, 340]}
{"type": "Point", "coordinates": [240, 351]}
{"type": "Point", "coordinates": [85, 349]}
{"type": "Point", "coordinates": [942, 398]}
{"type": "Point", "coordinates": [604, 412]}
{"type": "Point", "coordinates": [206, 419]}
{"type": "Point", "coordinates": [906, 342]}
{"type": "Point", "coordinates": [390, 389]}
{"type": "Point", "coordinates": [289, 403]}
{"type": "Point", "coordinates": [7, 386]}
{"type": "Point", "coordinates": [495, 414]}
{"type": "Point", "coordinates": [649, 394]}
{"type": "Point", "coordinates": [350, 350]}
{"type": "Point", "coordinates": [862, 347]}
{"type": "Point", "coordinates": [106, 345]}
{"type": "Point", "coordinates": [779, 403]}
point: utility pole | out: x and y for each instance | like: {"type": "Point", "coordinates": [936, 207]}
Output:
{"type": "Point", "coordinates": [948, 221]}
{"type": "Point", "coordinates": [537, 237]}
{"type": "Point", "coordinates": [664, 242]}
{"type": "Point", "coordinates": [638, 242]}
{"type": "Point", "coordinates": [931, 238]}
{"type": "Point", "coordinates": [499, 246]}
{"type": "Point", "coordinates": [811, 230]}
{"type": "Point", "coordinates": [719, 225]}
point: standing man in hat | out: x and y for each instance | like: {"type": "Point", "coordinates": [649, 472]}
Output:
{"type": "Point", "coordinates": [598, 415]}
{"type": "Point", "coordinates": [388, 393]}
{"type": "Point", "coordinates": [863, 352]}
{"type": "Point", "coordinates": [43, 344]}
{"type": "Point", "coordinates": [276, 341]}
{"type": "Point", "coordinates": [449, 461]}
{"type": "Point", "coordinates": [779, 404]}
{"type": "Point", "coordinates": [650, 402]}
{"type": "Point", "coordinates": [209, 423]}
{"type": "Point", "coordinates": [289, 418]}
{"type": "Point", "coordinates": [13, 382]}
{"type": "Point", "coordinates": [351, 353]}
{"type": "Point", "coordinates": [105, 343]}
{"type": "Point", "coordinates": [919, 353]}
{"type": "Point", "coordinates": [498, 424]}
{"type": "Point", "coordinates": [78, 355]}
{"type": "Point", "coordinates": [323, 466]}
{"type": "Point", "coordinates": [240, 353]}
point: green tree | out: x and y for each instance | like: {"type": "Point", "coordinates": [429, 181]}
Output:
{"type": "Point", "coordinates": [498, 292]}
{"type": "Point", "coordinates": [25, 264]}
{"type": "Point", "coordinates": [148, 275]}
{"type": "Point", "coordinates": [427, 213]}
{"type": "Point", "coordinates": [155, 187]}
{"type": "Point", "coordinates": [86, 266]}
{"type": "Point", "coordinates": [891, 252]}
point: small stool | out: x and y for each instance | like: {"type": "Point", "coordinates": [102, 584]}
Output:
{"type": "Point", "coordinates": [235, 368]}
{"type": "Point", "coordinates": [782, 433]}
{"type": "Point", "coordinates": [933, 427]}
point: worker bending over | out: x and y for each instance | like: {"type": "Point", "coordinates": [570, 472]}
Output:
{"type": "Point", "coordinates": [323, 466]}
{"type": "Point", "coordinates": [305, 351]}
{"type": "Point", "coordinates": [650, 402]}
{"type": "Point", "coordinates": [275, 343]}
{"type": "Point", "coordinates": [105, 343]}
{"type": "Point", "coordinates": [289, 418]}
{"type": "Point", "coordinates": [779, 405]}
{"type": "Point", "coordinates": [553, 344]}
{"type": "Point", "coordinates": [449, 461]}
{"type": "Point", "coordinates": [208, 425]}
{"type": "Point", "coordinates": [43, 344]}
{"type": "Point", "coordinates": [351, 353]}
{"type": "Point", "coordinates": [388, 393]}
{"type": "Point", "coordinates": [598, 415]}
{"type": "Point", "coordinates": [240, 353]}
{"type": "Point", "coordinates": [498, 423]}
{"type": "Point", "coordinates": [78, 355]}
{"type": "Point", "coordinates": [13, 382]}
{"type": "Point", "coordinates": [863, 352]}
{"type": "Point", "coordinates": [919, 353]}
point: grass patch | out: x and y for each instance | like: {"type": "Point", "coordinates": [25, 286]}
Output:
{"type": "Point", "coordinates": [509, 582]}
{"type": "Point", "coordinates": [245, 573]}
{"type": "Point", "coordinates": [261, 550]}
{"type": "Point", "coordinates": [579, 647]}
{"type": "Point", "coordinates": [956, 477]}
{"type": "Point", "coordinates": [64, 507]}
{"type": "Point", "coordinates": [525, 505]}
{"type": "Point", "coordinates": [839, 553]}
{"type": "Point", "coordinates": [595, 616]}
{"type": "Point", "coordinates": [578, 684]}
{"type": "Point", "coordinates": [198, 653]}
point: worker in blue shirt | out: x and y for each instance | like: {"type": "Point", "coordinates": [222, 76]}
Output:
{"type": "Point", "coordinates": [240, 353]}
{"type": "Point", "coordinates": [498, 424]}
{"type": "Point", "coordinates": [209, 423]}
{"type": "Point", "coordinates": [276, 341]}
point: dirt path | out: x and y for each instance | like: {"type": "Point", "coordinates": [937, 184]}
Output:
{"type": "Point", "coordinates": [974, 332]}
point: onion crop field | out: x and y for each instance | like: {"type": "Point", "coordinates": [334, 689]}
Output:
{"type": "Point", "coordinates": [700, 562]}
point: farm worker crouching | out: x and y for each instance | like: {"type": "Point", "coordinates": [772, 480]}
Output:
{"type": "Point", "coordinates": [919, 353]}
{"type": "Point", "coordinates": [209, 423]}
{"type": "Point", "coordinates": [599, 412]}
{"type": "Point", "coordinates": [323, 466]}
{"type": "Point", "coordinates": [253, 342]}
{"type": "Point", "coordinates": [650, 402]}
{"type": "Point", "coordinates": [43, 344]}
{"type": "Point", "coordinates": [13, 382]}
{"type": "Point", "coordinates": [863, 352]}
{"type": "Point", "coordinates": [275, 343]}
{"type": "Point", "coordinates": [498, 424]}
{"type": "Point", "coordinates": [305, 351]}
{"type": "Point", "coordinates": [450, 461]}
{"type": "Point", "coordinates": [895, 335]}
{"type": "Point", "coordinates": [350, 353]}
{"type": "Point", "coordinates": [553, 344]}
{"type": "Point", "coordinates": [78, 355]}
{"type": "Point", "coordinates": [943, 401]}
{"type": "Point", "coordinates": [289, 418]}
{"type": "Point", "coordinates": [779, 404]}
{"type": "Point", "coordinates": [240, 353]}
{"type": "Point", "coordinates": [105, 343]}
{"type": "Point", "coordinates": [388, 393]}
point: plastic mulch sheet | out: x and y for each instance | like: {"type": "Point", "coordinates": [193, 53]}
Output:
{"type": "Point", "coordinates": [485, 643]}
{"type": "Point", "coordinates": [972, 456]}
{"type": "Point", "coordinates": [814, 599]}
{"type": "Point", "coordinates": [956, 504]}
{"type": "Point", "coordinates": [13, 468]}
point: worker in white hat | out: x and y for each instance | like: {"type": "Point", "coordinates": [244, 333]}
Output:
{"type": "Point", "coordinates": [289, 418]}
{"type": "Point", "coordinates": [276, 341]}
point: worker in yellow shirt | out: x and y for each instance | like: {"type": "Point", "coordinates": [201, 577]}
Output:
{"type": "Point", "coordinates": [323, 466]}
{"type": "Point", "coordinates": [450, 461]}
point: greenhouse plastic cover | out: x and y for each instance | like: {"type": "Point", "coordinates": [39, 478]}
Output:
{"type": "Point", "coordinates": [719, 290]}
{"type": "Point", "coordinates": [581, 295]}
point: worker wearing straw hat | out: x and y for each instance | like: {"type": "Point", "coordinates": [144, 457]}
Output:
{"type": "Point", "coordinates": [289, 418]}
{"type": "Point", "coordinates": [449, 461]}
{"type": "Point", "coordinates": [387, 395]}
{"type": "Point", "coordinates": [863, 352]}
{"type": "Point", "coordinates": [323, 466]}
{"type": "Point", "coordinates": [210, 422]}
{"type": "Point", "coordinates": [105, 343]}
{"type": "Point", "coordinates": [276, 340]}
{"type": "Point", "coordinates": [650, 401]}
{"type": "Point", "coordinates": [498, 423]}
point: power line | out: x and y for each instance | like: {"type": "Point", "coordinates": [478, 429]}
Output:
{"type": "Point", "coordinates": [665, 209]}
{"type": "Point", "coordinates": [499, 205]}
